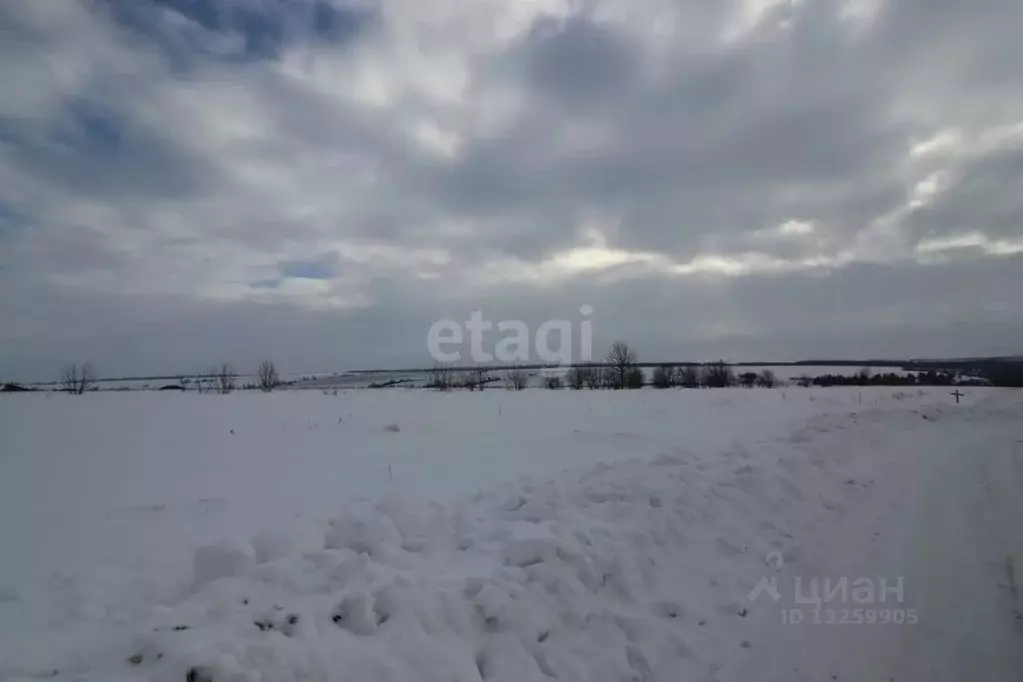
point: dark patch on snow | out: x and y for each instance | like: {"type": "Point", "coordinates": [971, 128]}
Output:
{"type": "Point", "coordinates": [198, 674]}
{"type": "Point", "coordinates": [482, 665]}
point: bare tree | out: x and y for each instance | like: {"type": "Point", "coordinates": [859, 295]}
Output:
{"type": "Point", "coordinates": [605, 377]}
{"type": "Point", "coordinates": [69, 378]}
{"type": "Point", "coordinates": [266, 376]}
{"type": "Point", "coordinates": [223, 378]}
{"type": "Point", "coordinates": [634, 377]}
{"type": "Point", "coordinates": [204, 381]}
{"type": "Point", "coordinates": [689, 377]}
{"type": "Point", "coordinates": [804, 380]}
{"type": "Point", "coordinates": [516, 379]}
{"type": "Point", "coordinates": [718, 375]}
{"type": "Point", "coordinates": [767, 379]}
{"type": "Point", "coordinates": [664, 376]}
{"type": "Point", "coordinates": [440, 378]}
{"type": "Point", "coordinates": [587, 376]}
{"type": "Point", "coordinates": [478, 379]}
{"type": "Point", "coordinates": [76, 379]}
{"type": "Point", "coordinates": [553, 382]}
{"type": "Point", "coordinates": [619, 359]}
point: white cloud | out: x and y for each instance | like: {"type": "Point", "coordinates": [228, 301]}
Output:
{"type": "Point", "coordinates": [796, 227]}
{"type": "Point", "coordinates": [925, 191]}
{"type": "Point", "coordinates": [941, 144]}
{"type": "Point", "coordinates": [448, 150]}
{"type": "Point", "coordinates": [973, 240]}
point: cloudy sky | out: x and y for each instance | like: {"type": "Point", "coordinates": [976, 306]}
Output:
{"type": "Point", "coordinates": [316, 181]}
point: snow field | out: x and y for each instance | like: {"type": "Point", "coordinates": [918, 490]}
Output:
{"type": "Point", "coordinates": [293, 537]}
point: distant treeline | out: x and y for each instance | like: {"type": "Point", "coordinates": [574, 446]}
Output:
{"type": "Point", "coordinates": [863, 378]}
{"type": "Point", "coordinates": [1006, 374]}
{"type": "Point", "coordinates": [1003, 373]}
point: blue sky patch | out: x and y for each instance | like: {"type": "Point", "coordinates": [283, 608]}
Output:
{"type": "Point", "coordinates": [263, 29]}
{"type": "Point", "coordinates": [312, 269]}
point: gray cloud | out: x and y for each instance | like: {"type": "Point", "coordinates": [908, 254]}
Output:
{"type": "Point", "coordinates": [990, 181]}
{"type": "Point", "coordinates": [740, 179]}
{"type": "Point", "coordinates": [579, 61]}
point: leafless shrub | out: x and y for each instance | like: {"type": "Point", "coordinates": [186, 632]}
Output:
{"type": "Point", "coordinates": [440, 378]}
{"type": "Point", "coordinates": [767, 379]}
{"type": "Point", "coordinates": [206, 382]}
{"type": "Point", "coordinates": [663, 377]}
{"type": "Point", "coordinates": [516, 380]}
{"type": "Point", "coordinates": [76, 379]}
{"type": "Point", "coordinates": [553, 382]}
{"type": "Point", "coordinates": [476, 379]}
{"type": "Point", "coordinates": [223, 378]}
{"type": "Point", "coordinates": [606, 377]}
{"type": "Point", "coordinates": [689, 376]}
{"type": "Point", "coordinates": [634, 377]}
{"type": "Point", "coordinates": [576, 378]}
{"type": "Point", "coordinates": [267, 378]}
{"type": "Point", "coordinates": [748, 379]}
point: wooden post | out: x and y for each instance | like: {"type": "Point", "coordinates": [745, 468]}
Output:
{"type": "Point", "coordinates": [958, 395]}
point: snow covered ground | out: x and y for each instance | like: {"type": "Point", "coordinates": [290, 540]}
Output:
{"type": "Point", "coordinates": [412, 535]}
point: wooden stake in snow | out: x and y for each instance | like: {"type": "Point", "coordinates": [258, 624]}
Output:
{"type": "Point", "coordinates": [958, 395]}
